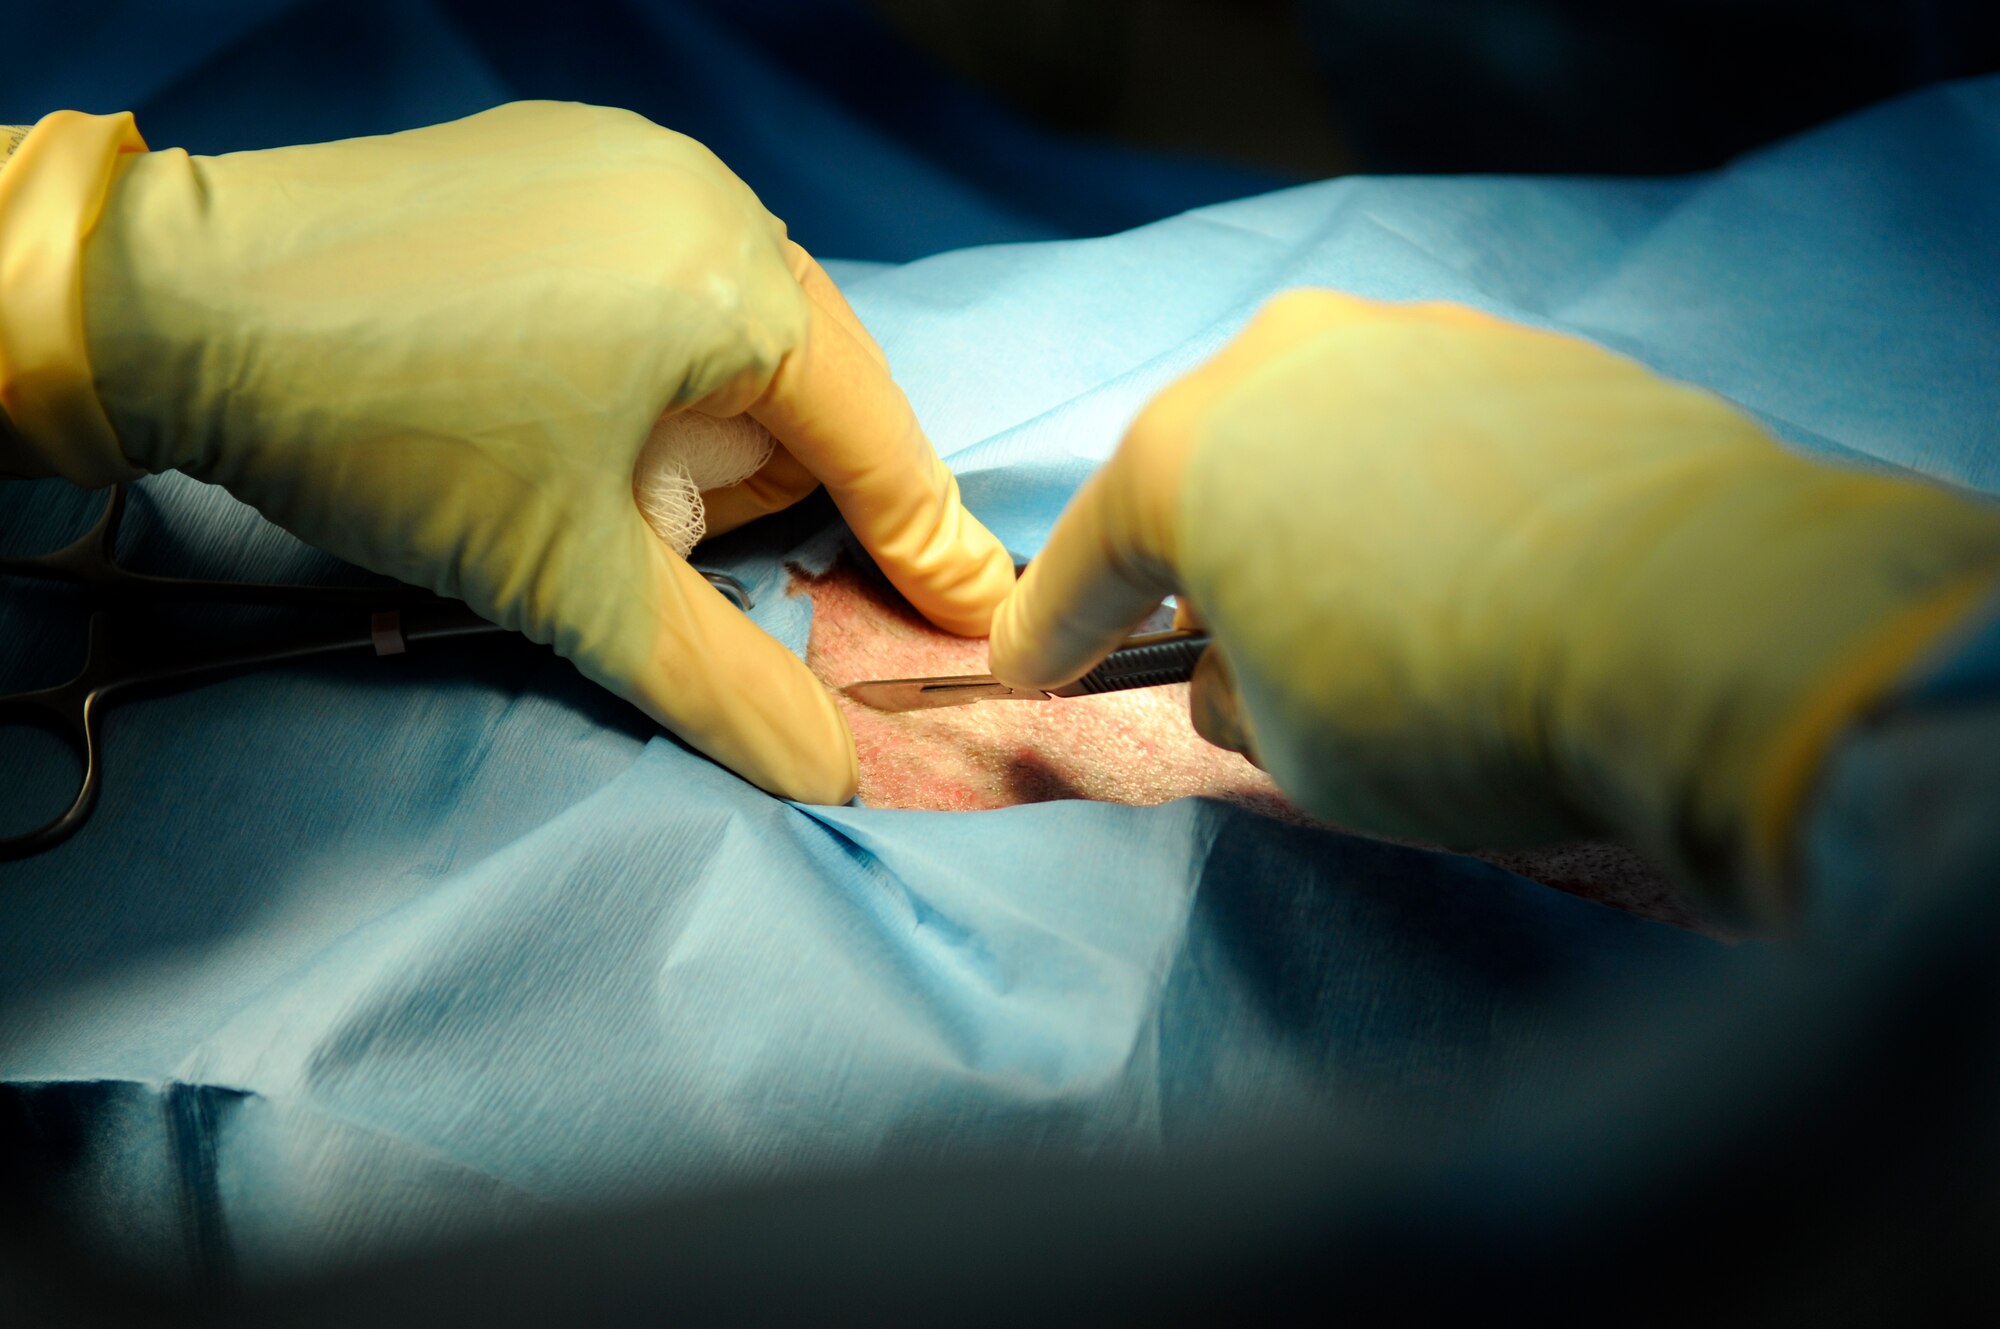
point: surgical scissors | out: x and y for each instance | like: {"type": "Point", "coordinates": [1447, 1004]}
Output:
{"type": "Point", "coordinates": [128, 650]}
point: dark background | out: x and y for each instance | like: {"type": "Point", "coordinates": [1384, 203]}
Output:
{"type": "Point", "coordinates": [1319, 87]}
{"type": "Point", "coordinates": [978, 121]}
{"type": "Point", "coordinates": [1811, 1146]}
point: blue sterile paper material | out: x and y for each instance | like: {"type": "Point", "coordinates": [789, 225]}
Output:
{"type": "Point", "coordinates": [367, 953]}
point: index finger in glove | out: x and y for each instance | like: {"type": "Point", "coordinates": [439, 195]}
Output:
{"type": "Point", "coordinates": [824, 292]}
{"type": "Point", "coordinates": [1116, 549]}
{"type": "Point", "coordinates": [833, 407]}
{"type": "Point", "coordinates": [783, 480]}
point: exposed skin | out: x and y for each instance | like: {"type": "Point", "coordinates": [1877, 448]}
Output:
{"type": "Point", "coordinates": [1135, 747]}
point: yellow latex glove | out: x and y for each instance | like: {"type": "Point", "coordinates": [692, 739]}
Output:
{"type": "Point", "coordinates": [438, 354]}
{"type": "Point", "coordinates": [1483, 585]}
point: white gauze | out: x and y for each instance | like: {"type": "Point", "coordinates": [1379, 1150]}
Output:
{"type": "Point", "coordinates": [686, 453]}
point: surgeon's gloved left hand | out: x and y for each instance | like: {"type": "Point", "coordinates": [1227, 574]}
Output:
{"type": "Point", "coordinates": [438, 354]}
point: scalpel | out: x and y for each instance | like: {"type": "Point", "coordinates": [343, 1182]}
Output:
{"type": "Point", "coordinates": [1148, 661]}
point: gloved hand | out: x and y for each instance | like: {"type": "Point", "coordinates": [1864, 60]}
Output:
{"type": "Point", "coordinates": [1484, 585]}
{"type": "Point", "coordinates": [438, 354]}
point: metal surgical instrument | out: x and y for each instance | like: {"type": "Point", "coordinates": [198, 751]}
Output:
{"type": "Point", "coordinates": [129, 648]}
{"type": "Point", "coordinates": [1148, 661]}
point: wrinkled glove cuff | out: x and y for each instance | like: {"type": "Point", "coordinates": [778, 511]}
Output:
{"type": "Point", "coordinates": [52, 190]}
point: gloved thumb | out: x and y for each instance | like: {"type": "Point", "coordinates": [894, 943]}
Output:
{"type": "Point", "coordinates": [709, 674]}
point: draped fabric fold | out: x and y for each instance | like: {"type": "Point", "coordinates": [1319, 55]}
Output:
{"type": "Point", "coordinates": [438, 942]}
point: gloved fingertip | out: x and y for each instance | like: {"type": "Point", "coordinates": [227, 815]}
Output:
{"type": "Point", "coordinates": [715, 678]}
{"type": "Point", "coordinates": [842, 775]}
{"type": "Point", "coordinates": [819, 767]}
{"type": "Point", "coordinates": [1010, 652]}
{"type": "Point", "coordinates": [967, 608]}
{"type": "Point", "coordinates": [1043, 638]}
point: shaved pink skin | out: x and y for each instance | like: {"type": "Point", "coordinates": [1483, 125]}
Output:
{"type": "Point", "coordinates": [1134, 747]}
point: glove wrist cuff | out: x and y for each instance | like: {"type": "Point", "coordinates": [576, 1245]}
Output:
{"type": "Point", "coordinates": [52, 192]}
{"type": "Point", "coordinates": [1703, 704]}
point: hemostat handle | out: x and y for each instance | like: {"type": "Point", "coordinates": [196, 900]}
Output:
{"type": "Point", "coordinates": [1143, 662]}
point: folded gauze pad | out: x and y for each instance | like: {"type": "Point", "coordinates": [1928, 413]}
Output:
{"type": "Point", "coordinates": [687, 453]}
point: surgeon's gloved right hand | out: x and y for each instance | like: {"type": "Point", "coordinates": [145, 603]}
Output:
{"type": "Point", "coordinates": [1484, 585]}
{"type": "Point", "coordinates": [439, 353]}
